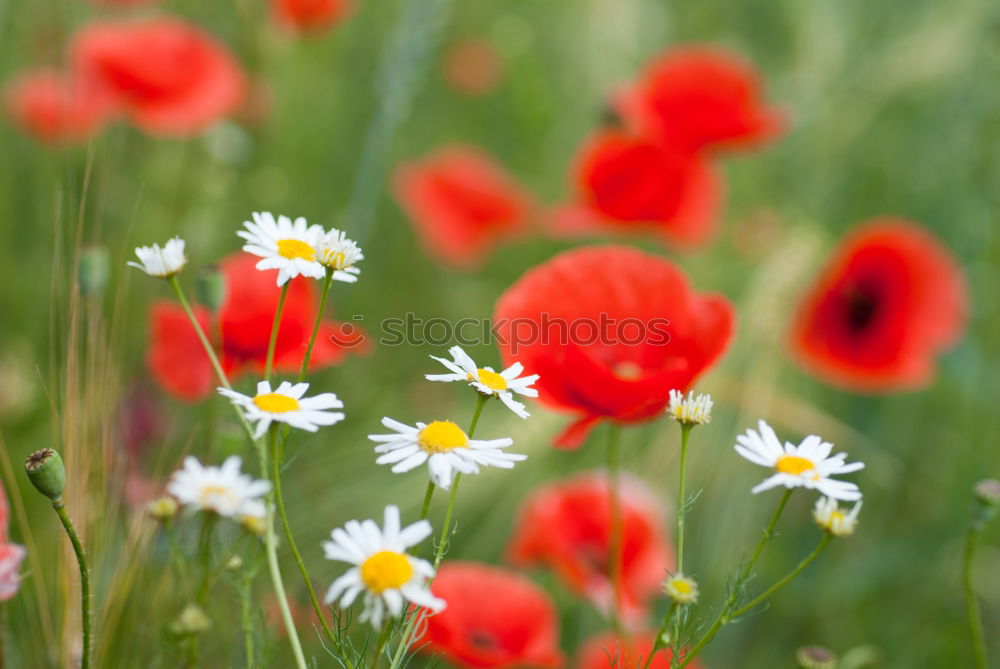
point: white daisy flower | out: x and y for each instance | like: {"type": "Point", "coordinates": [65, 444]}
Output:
{"type": "Point", "coordinates": [681, 589]}
{"type": "Point", "coordinates": [488, 382]}
{"type": "Point", "coordinates": [383, 569]}
{"type": "Point", "coordinates": [222, 490]}
{"type": "Point", "coordinates": [445, 448]}
{"type": "Point", "coordinates": [288, 247]}
{"type": "Point", "coordinates": [807, 465]}
{"type": "Point", "coordinates": [690, 410]}
{"type": "Point", "coordinates": [838, 522]}
{"type": "Point", "coordinates": [161, 261]}
{"type": "Point", "coordinates": [340, 254]}
{"type": "Point", "coordinates": [286, 404]}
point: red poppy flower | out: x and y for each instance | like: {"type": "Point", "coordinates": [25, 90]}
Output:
{"type": "Point", "coordinates": [612, 651]}
{"type": "Point", "coordinates": [611, 330]}
{"type": "Point", "coordinates": [180, 365]}
{"type": "Point", "coordinates": [460, 202]}
{"type": "Point", "coordinates": [473, 67]}
{"type": "Point", "coordinates": [518, 628]}
{"type": "Point", "coordinates": [566, 526]}
{"type": "Point", "coordinates": [630, 183]}
{"type": "Point", "coordinates": [891, 299]}
{"type": "Point", "coordinates": [698, 98]}
{"type": "Point", "coordinates": [310, 15]}
{"type": "Point", "coordinates": [169, 76]}
{"type": "Point", "coordinates": [11, 554]}
{"type": "Point", "coordinates": [57, 108]}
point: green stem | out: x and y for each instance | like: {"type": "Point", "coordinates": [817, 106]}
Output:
{"type": "Point", "coordinates": [722, 618]}
{"type": "Point", "coordinates": [81, 559]}
{"type": "Point", "coordinates": [205, 343]}
{"type": "Point", "coordinates": [404, 641]}
{"type": "Point", "coordinates": [685, 433]}
{"type": "Point", "coordinates": [246, 620]}
{"type": "Point", "coordinates": [275, 327]}
{"type": "Point", "coordinates": [175, 552]}
{"type": "Point", "coordinates": [658, 643]}
{"type": "Point", "coordinates": [271, 550]}
{"type": "Point", "coordinates": [617, 525]}
{"type": "Point", "coordinates": [806, 561]}
{"type": "Point", "coordinates": [971, 604]}
{"type": "Point", "coordinates": [380, 644]}
{"type": "Point", "coordinates": [205, 556]}
{"type": "Point", "coordinates": [327, 282]}
{"type": "Point", "coordinates": [427, 500]}
{"type": "Point", "coordinates": [276, 480]}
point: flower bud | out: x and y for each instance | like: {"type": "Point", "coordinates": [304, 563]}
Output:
{"type": "Point", "coordinates": [192, 620]}
{"type": "Point", "coordinates": [210, 287]}
{"type": "Point", "coordinates": [235, 563]}
{"type": "Point", "coordinates": [163, 508]}
{"type": "Point", "coordinates": [815, 657]}
{"type": "Point", "coordinates": [47, 473]}
{"type": "Point", "coordinates": [987, 494]}
{"type": "Point", "coordinates": [92, 272]}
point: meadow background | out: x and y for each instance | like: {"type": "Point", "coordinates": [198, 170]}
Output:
{"type": "Point", "coordinates": [895, 109]}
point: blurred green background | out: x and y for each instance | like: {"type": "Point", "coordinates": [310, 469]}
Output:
{"type": "Point", "coordinates": [895, 109]}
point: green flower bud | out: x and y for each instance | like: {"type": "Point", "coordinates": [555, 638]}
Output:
{"type": "Point", "coordinates": [192, 620]}
{"type": "Point", "coordinates": [92, 272]}
{"type": "Point", "coordinates": [163, 508]}
{"type": "Point", "coordinates": [47, 473]}
{"type": "Point", "coordinates": [210, 287]}
{"type": "Point", "coordinates": [987, 493]}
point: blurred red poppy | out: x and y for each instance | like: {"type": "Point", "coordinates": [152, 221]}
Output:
{"type": "Point", "coordinates": [311, 15]}
{"type": "Point", "coordinates": [612, 651]}
{"type": "Point", "coordinates": [242, 332]}
{"type": "Point", "coordinates": [55, 107]}
{"type": "Point", "coordinates": [473, 67]}
{"type": "Point", "coordinates": [629, 183]}
{"type": "Point", "coordinates": [697, 98]}
{"type": "Point", "coordinates": [518, 628]}
{"type": "Point", "coordinates": [461, 202]}
{"type": "Point", "coordinates": [170, 77]}
{"type": "Point", "coordinates": [11, 554]}
{"type": "Point", "coordinates": [566, 527]}
{"type": "Point", "coordinates": [611, 330]}
{"type": "Point", "coordinates": [890, 300]}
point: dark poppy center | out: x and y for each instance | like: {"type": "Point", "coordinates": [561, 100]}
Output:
{"type": "Point", "coordinates": [482, 640]}
{"type": "Point", "coordinates": [862, 305]}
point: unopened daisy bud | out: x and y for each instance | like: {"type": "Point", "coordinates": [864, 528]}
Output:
{"type": "Point", "coordinates": [210, 287]}
{"type": "Point", "coordinates": [254, 524]}
{"type": "Point", "coordinates": [192, 620]}
{"type": "Point", "coordinates": [47, 473]}
{"type": "Point", "coordinates": [161, 262]}
{"type": "Point", "coordinates": [987, 494]}
{"type": "Point", "coordinates": [92, 272]}
{"type": "Point", "coordinates": [235, 563]}
{"type": "Point", "coordinates": [838, 522]}
{"type": "Point", "coordinates": [690, 410]}
{"type": "Point", "coordinates": [163, 508]}
{"type": "Point", "coordinates": [681, 589]}
{"type": "Point", "coordinates": [815, 657]}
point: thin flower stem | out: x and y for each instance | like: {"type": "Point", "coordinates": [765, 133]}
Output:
{"type": "Point", "coordinates": [685, 433]}
{"type": "Point", "coordinates": [327, 282]}
{"type": "Point", "coordinates": [723, 616]}
{"type": "Point", "coordinates": [658, 641]}
{"type": "Point", "coordinates": [427, 500]}
{"type": "Point", "coordinates": [617, 525]}
{"type": "Point", "coordinates": [246, 620]}
{"type": "Point", "coordinates": [205, 556]}
{"type": "Point", "coordinates": [81, 559]}
{"type": "Point", "coordinates": [275, 327]}
{"type": "Point", "coordinates": [404, 641]}
{"type": "Point", "coordinates": [205, 343]}
{"type": "Point", "coordinates": [271, 550]}
{"type": "Point", "coordinates": [380, 644]}
{"type": "Point", "coordinates": [971, 604]}
{"type": "Point", "coordinates": [175, 552]}
{"type": "Point", "coordinates": [279, 498]}
{"type": "Point", "coordinates": [806, 561]}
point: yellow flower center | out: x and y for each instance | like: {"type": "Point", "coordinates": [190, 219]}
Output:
{"type": "Point", "coordinates": [210, 494]}
{"type": "Point", "coordinates": [442, 436]}
{"type": "Point", "coordinates": [386, 570]}
{"type": "Point", "coordinates": [276, 403]}
{"type": "Point", "coordinates": [335, 259]}
{"type": "Point", "coordinates": [681, 586]}
{"type": "Point", "coordinates": [293, 248]}
{"type": "Point", "coordinates": [793, 464]}
{"type": "Point", "coordinates": [836, 517]}
{"type": "Point", "coordinates": [491, 380]}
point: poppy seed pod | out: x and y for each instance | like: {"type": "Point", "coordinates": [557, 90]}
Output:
{"type": "Point", "coordinates": [47, 473]}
